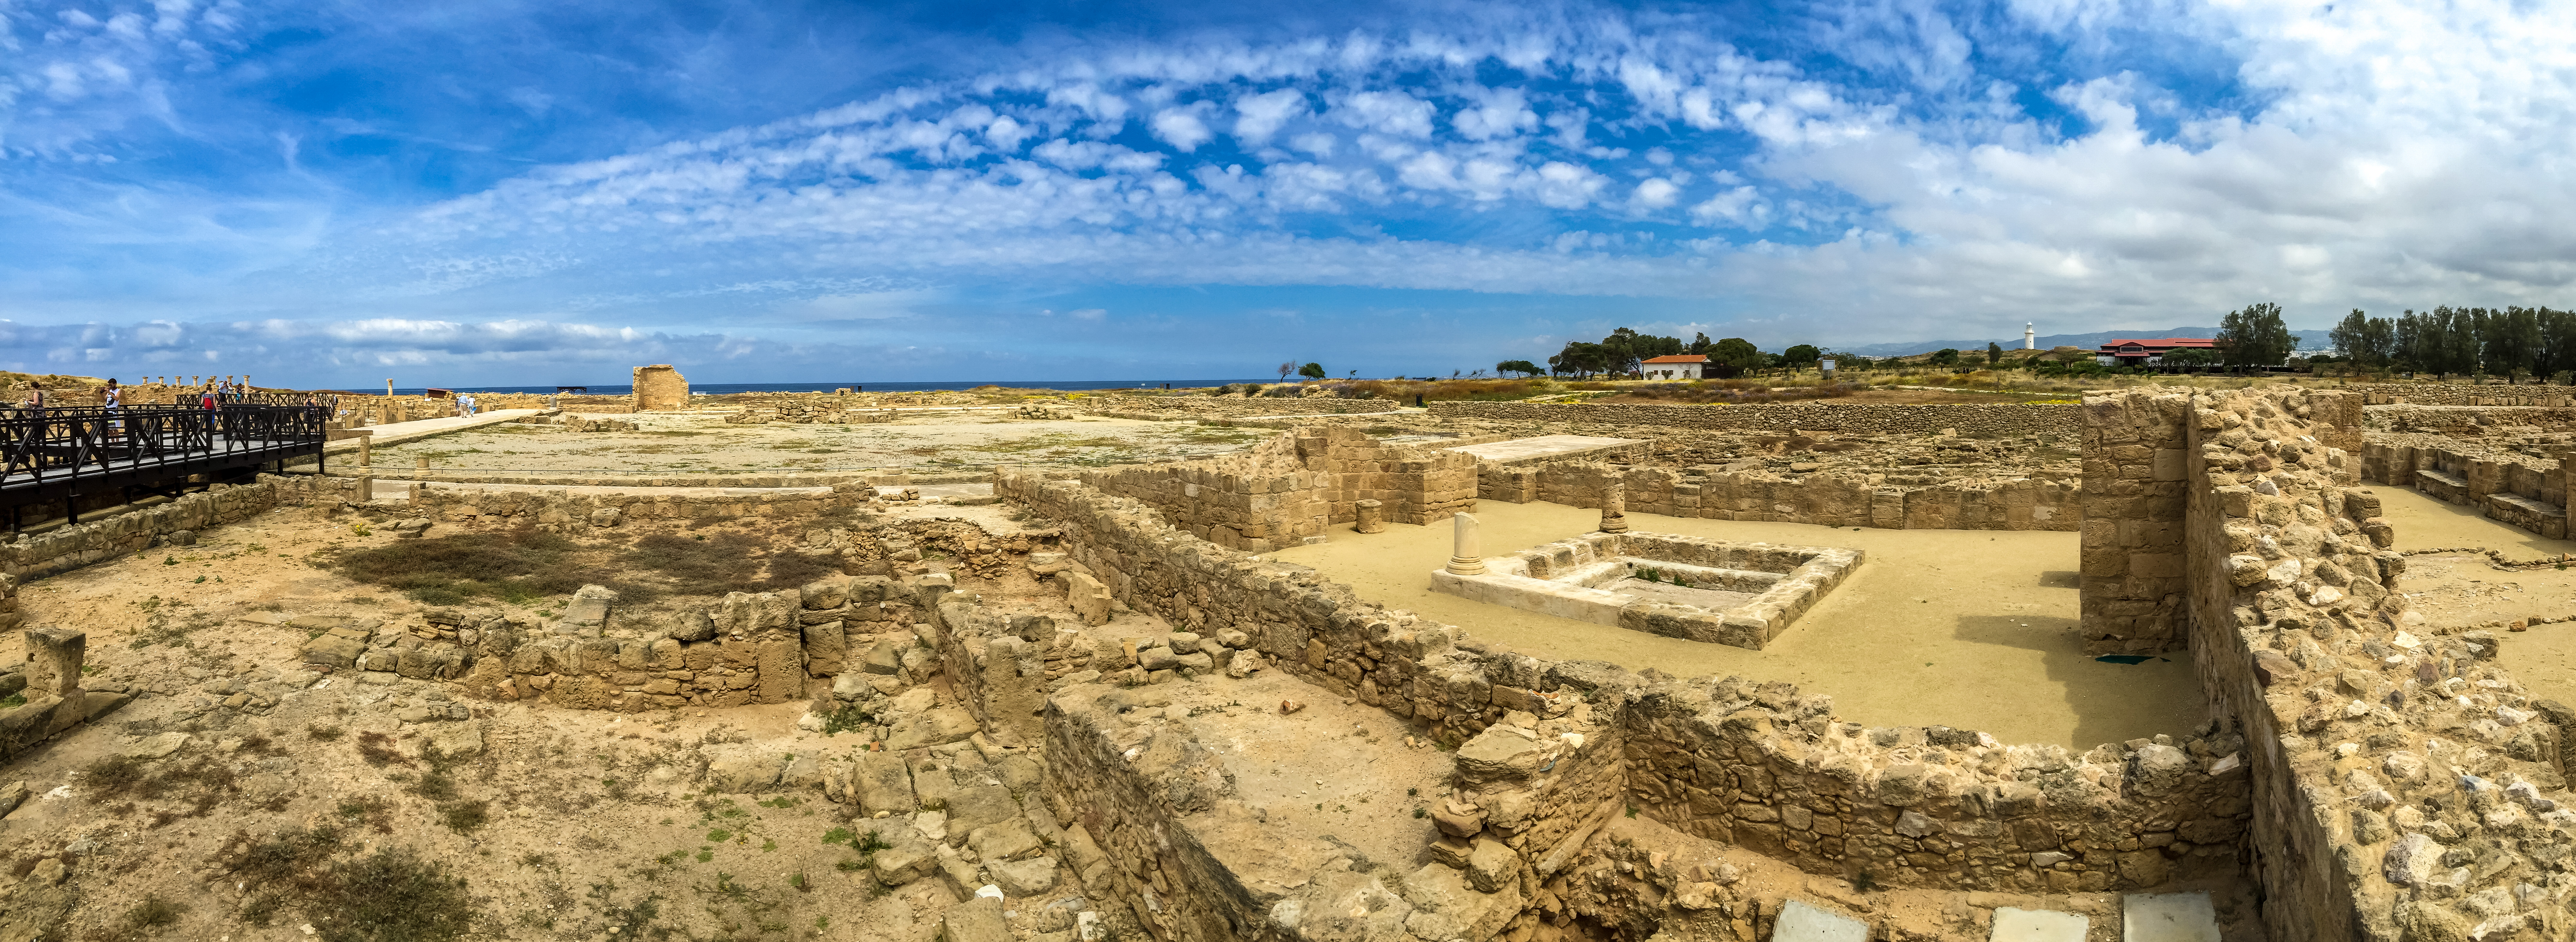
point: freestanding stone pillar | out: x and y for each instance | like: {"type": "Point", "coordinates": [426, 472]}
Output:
{"type": "Point", "coordinates": [1467, 554]}
{"type": "Point", "coordinates": [54, 662]}
{"type": "Point", "coordinates": [1372, 517]}
{"type": "Point", "coordinates": [366, 451]}
{"type": "Point", "coordinates": [420, 462]}
{"type": "Point", "coordinates": [1614, 508]}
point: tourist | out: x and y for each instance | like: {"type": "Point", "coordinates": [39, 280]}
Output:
{"type": "Point", "coordinates": [35, 396]}
{"type": "Point", "coordinates": [109, 400]}
{"type": "Point", "coordinates": [206, 395]}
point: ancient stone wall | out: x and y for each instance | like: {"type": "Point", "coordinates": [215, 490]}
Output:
{"type": "Point", "coordinates": [1227, 407]}
{"type": "Point", "coordinates": [2398, 778]}
{"type": "Point", "coordinates": [1855, 418]}
{"type": "Point", "coordinates": [2462, 394]}
{"type": "Point", "coordinates": [2469, 420]}
{"type": "Point", "coordinates": [2132, 567]}
{"type": "Point", "coordinates": [1830, 499]}
{"type": "Point", "coordinates": [1936, 808]}
{"type": "Point", "coordinates": [67, 548]}
{"type": "Point", "coordinates": [2506, 485]}
{"type": "Point", "coordinates": [1289, 489]}
{"type": "Point", "coordinates": [53, 695]}
{"type": "Point", "coordinates": [660, 388]}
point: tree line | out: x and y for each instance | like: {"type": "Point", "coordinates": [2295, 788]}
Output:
{"type": "Point", "coordinates": [2511, 341]}
{"type": "Point", "coordinates": [1626, 350]}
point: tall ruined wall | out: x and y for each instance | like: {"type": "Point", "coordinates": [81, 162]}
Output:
{"type": "Point", "coordinates": [2399, 778]}
{"type": "Point", "coordinates": [2132, 565]}
{"type": "Point", "coordinates": [1754, 762]}
{"type": "Point", "coordinates": [1854, 418]}
{"type": "Point", "coordinates": [1843, 499]}
{"type": "Point", "coordinates": [1289, 489]}
{"type": "Point", "coordinates": [660, 388]}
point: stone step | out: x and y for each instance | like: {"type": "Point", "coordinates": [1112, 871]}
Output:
{"type": "Point", "coordinates": [1800, 922]}
{"type": "Point", "coordinates": [2168, 917]}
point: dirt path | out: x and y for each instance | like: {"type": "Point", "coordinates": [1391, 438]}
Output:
{"type": "Point", "coordinates": [1966, 628]}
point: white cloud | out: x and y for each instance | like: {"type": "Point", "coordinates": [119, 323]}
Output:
{"type": "Point", "coordinates": [1262, 115]}
{"type": "Point", "coordinates": [1654, 193]}
{"type": "Point", "coordinates": [1393, 113]}
{"type": "Point", "coordinates": [1181, 128]}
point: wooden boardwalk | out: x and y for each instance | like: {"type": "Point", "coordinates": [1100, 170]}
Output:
{"type": "Point", "coordinates": [55, 455]}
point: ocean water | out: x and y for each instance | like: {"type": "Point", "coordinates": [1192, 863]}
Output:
{"type": "Point", "coordinates": [1068, 385]}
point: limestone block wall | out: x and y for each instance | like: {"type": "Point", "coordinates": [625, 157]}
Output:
{"type": "Point", "coordinates": [659, 388]}
{"type": "Point", "coordinates": [2462, 394]}
{"type": "Point", "coordinates": [2468, 420]}
{"type": "Point", "coordinates": [1852, 418]}
{"type": "Point", "coordinates": [1707, 754]}
{"type": "Point", "coordinates": [571, 510]}
{"type": "Point", "coordinates": [1228, 407]}
{"type": "Point", "coordinates": [1831, 499]}
{"type": "Point", "coordinates": [67, 548]}
{"type": "Point", "coordinates": [2132, 565]}
{"type": "Point", "coordinates": [2402, 782]}
{"type": "Point", "coordinates": [1289, 489]}
{"type": "Point", "coordinates": [2507, 486]}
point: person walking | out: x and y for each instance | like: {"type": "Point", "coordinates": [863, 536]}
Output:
{"type": "Point", "coordinates": [110, 399]}
{"type": "Point", "coordinates": [206, 396]}
{"type": "Point", "coordinates": [35, 397]}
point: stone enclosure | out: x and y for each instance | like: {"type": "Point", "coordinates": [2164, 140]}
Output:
{"type": "Point", "coordinates": [1186, 740]}
{"type": "Point", "coordinates": [1740, 594]}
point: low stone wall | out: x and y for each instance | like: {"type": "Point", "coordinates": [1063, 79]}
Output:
{"type": "Point", "coordinates": [1838, 499]}
{"type": "Point", "coordinates": [770, 647]}
{"type": "Point", "coordinates": [55, 697]}
{"type": "Point", "coordinates": [577, 510]}
{"type": "Point", "coordinates": [2507, 486]}
{"type": "Point", "coordinates": [1287, 490]}
{"type": "Point", "coordinates": [2469, 420]}
{"type": "Point", "coordinates": [1917, 806]}
{"type": "Point", "coordinates": [1852, 418]}
{"type": "Point", "coordinates": [72, 547]}
{"type": "Point", "coordinates": [1227, 407]}
{"type": "Point", "coordinates": [2462, 394]}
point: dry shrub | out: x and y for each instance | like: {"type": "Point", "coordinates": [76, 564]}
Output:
{"type": "Point", "coordinates": [390, 896]}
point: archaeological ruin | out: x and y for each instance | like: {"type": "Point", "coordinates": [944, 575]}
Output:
{"type": "Point", "coordinates": [2171, 663]}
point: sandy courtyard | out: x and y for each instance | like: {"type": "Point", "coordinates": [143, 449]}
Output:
{"type": "Point", "coordinates": [1967, 628]}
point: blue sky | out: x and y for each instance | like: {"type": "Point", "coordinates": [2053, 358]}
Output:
{"type": "Point", "coordinates": [507, 194]}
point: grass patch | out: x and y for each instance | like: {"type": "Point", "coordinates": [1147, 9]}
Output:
{"type": "Point", "coordinates": [390, 896]}
{"type": "Point", "coordinates": [513, 565]}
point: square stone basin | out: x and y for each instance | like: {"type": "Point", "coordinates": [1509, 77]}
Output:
{"type": "Point", "coordinates": [1718, 591]}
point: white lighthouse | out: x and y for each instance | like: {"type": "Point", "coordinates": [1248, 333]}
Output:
{"type": "Point", "coordinates": [2029, 337]}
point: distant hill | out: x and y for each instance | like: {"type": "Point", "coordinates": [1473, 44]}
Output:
{"type": "Point", "coordinates": [2309, 339]}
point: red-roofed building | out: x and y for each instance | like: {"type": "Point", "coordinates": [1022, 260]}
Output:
{"type": "Point", "coordinates": [1677, 366]}
{"type": "Point", "coordinates": [2148, 352]}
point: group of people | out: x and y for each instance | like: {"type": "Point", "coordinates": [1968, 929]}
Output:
{"type": "Point", "coordinates": [113, 396]}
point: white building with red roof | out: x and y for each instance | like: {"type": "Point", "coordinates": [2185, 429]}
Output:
{"type": "Point", "coordinates": [1676, 366]}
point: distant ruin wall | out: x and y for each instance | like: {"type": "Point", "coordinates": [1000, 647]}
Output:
{"type": "Point", "coordinates": [2506, 486]}
{"type": "Point", "coordinates": [1755, 763]}
{"type": "Point", "coordinates": [2470, 420]}
{"type": "Point", "coordinates": [1851, 418]}
{"type": "Point", "coordinates": [1228, 407]}
{"type": "Point", "coordinates": [2386, 762]}
{"type": "Point", "coordinates": [1290, 489]}
{"type": "Point", "coordinates": [659, 388]}
{"type": "Point", "coordinates": [2462, 394]}
{"type": "Point", "coordinates": [1835, 500]}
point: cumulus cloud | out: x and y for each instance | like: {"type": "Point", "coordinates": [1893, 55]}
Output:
{"type": "Point", "coordinates": [2057, 157]}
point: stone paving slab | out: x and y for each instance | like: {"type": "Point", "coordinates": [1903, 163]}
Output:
{"type": "Point", "coordinates": [2038, 925]}
{"type": "Point", "coordinates": [1800, 922]}
{"type": "Point", "coordinates": [2168, 917]}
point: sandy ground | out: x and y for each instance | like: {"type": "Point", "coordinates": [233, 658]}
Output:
{"type": "Point", "coordinates": [594, 817]}
{"type": "Point", "coordinates": [703, 442]}
{"type": "Point", "coordinates": [1966, 628]}
{"type": "Point", "coordinates": [2454, 589]}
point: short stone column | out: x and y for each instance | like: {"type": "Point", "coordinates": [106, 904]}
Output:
{"type": "Point", "coordinates": [1372, 517]}
{"type": "Point", "coordinates": [1614, 508]}
{"type": "Point", "coordinates": [54, 662]}
{"type": "Point", "coordinates": [420, 463]}
{"type": "Point", "coordinates": [1467, 553]}
{"type": "Point", "coordinates": [366, 451]}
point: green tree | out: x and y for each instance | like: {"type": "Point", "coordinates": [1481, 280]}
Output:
{"type": "Point", "coordinates": [1699, 344]}
{"type": "Point", "coordinates": [1736, 352]}
{"type": "Point", "coordinates": [1523, 367]}
{"type": "Point", "coordinates": [1994, 354]}
{"type": "Point", "coordinates": [1311, 371]}
{"type": "Point", "coordinates": [1946, 356]}
{"type": "Point", "coordinates": [2255, 336]}
{"type": "Point", "coordinates": [2189, 356]}
{"type": "Point", "coordinates": [1801, 355]}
